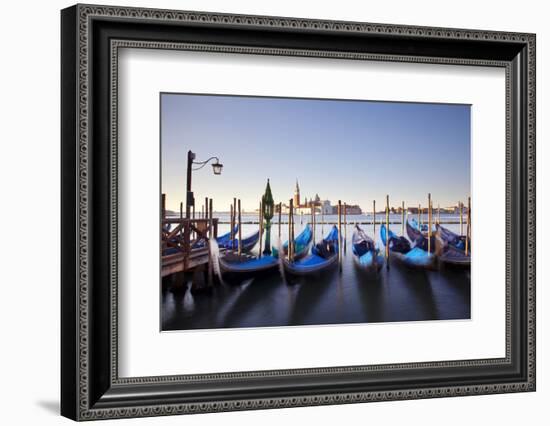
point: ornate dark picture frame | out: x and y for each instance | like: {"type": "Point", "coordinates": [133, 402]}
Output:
{"type": "Point", "coordinates": [91, 37]}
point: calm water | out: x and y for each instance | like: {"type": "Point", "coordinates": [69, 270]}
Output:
{"type": "Point", "coordinates": [397, 294]}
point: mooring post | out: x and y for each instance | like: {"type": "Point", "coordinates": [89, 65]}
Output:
{"type": "Point", "coordinates": [312, 221]}
{"type": "Point", "coordinates": [468, 218]}
{"type": "Point", "coordinates": [290, 214]}
{"type": "Point", "coordinates": [387, 232]}
{"type": "Point", "coordinates": [340, 235]}
{"type": "Point", "coordinates": [460, 207]}
{"type": "Point", "coordinates": [240, 230]}
{"type": "Point", "coordinates": [280, 213]}
{"type": "Point", "coordinates": [210, 237]}
{"type": "Point", "coordinates": [234, 216]}
{"type": "Point", "coordinates": [293, 229]}
{"type": "Point", "coordinates": [193, 216]}
{"type": "Point", "coordinates": [260, 229]}
{"type": "Point", "coordinates": [181, 219]}
{"type": "Point", "coordinates": [345, 227]}
{"type": "Point", "coordinates": [438, 214]}
{"type": "Point", "coordinates": [429, 222]}
{"type": "Point", "coordinates": [403, 218]}
{"type": "Point", "coordinates": [206, 214]}
{"type": "Point", "coordinates": [420, 217]}
{"type": "Point", "coordinates": [374, 217]}
{"type": "Point", "coordinates": [211, 224]}
{"type": "Point", "coordinates": [231, 224]}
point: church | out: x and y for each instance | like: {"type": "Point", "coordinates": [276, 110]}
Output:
{"type": "Point", "coordinates": [321, 206]}
{"type": "Point", "coordinates": [306, 204]}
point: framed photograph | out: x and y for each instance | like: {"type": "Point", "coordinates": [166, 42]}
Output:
{"type": "Point", "coordinates": [263, 212]}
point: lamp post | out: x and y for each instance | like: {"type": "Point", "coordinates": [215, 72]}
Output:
{"type": "Point", "coordinates": [217, 168]}
{"type": "Point", "coordinates": [267, 207]}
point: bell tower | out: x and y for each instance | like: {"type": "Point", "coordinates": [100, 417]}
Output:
{"type": "Point", "coordinates": [297, 194]}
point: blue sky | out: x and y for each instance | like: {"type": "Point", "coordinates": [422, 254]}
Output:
{"type": "Point", "coordinates": [355, 151]}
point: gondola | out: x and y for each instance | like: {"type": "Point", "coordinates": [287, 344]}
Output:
{"type": "Point", "coordinates": [418, 238]}
{"type": "Point", "coordinates": [400, 249]}
{"type": "Point", "coordinates": [246, 266]}
{"type": "Point", "coordinates": [451, 248]}
{"type": "Point", "coordinates": [302, 244]}
{"type": "Point", "coordinates": [452, 239]}
{"type": "Point", "coordinates": [248, 243]}
{"type": "Point", "coordinates": [323, 256]}
{"type": "Point", "coordinates": [423, 228]}
{"type": "Point", "coordinates": [226, 238]}
{"type": "Point", "coordinates": [222, 240]}
{"type": "Point", "coordinates": [365, 253]}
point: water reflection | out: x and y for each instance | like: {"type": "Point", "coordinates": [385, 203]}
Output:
{"type": "Point", "coordinates": [349, 296]}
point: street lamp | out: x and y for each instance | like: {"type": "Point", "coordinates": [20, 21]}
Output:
{"type": "Point", "coordinates": [217, 168]}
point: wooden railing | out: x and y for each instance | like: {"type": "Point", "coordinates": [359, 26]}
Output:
{"type": "Point", "coordinates": [186, 239]}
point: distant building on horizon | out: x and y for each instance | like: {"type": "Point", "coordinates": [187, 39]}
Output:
{"type": "Point", "coordinates": [321, 206]}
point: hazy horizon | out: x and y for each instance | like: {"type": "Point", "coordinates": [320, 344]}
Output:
{"type": "Point", "coordinates": [355, 151]}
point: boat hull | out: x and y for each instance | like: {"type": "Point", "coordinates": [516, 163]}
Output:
{"type": "Point", "coordinates": [415, 260]}
{"type": "Point", "coordinates": [455, 257]}
{"type": "Point", "coordinates": [366, 256]}
{"type": "Point", "coordinates": [233, 268]}
{"type": "Point", "coordinates": [310, 265]}
{"type": "Point", "coordinates": [369, 267]}
{"type": "Point", "coordinates": [412, 257]}
{"type": "Point", "coordinates": [324, 255]}
{"type": "Point", "coordinates": [247, 245]}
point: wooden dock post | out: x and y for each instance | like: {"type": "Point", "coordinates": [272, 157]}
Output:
{"type": "Point", "coordinates": [345, 226]}
{"type": "Point", "coordinates": [193, 216]}
{"type": "Point", "coordinates": [280, 214]}
{"type": "Point", "coordinates": [387, 231]}
{"type": "Point", "coordinates": [420, 217]}
{"type": "Point", "coordinates": [322, 220]}
{"type": "Point", "coordinates": [468, 219]}
{"type": "Point", "coordinates": [231, 224]}
{"type": "Point", "coordinates": [260, 223]}
{"type": "Point", "coordinates": [429, 222]}
{"type": "Point", "coordinates": [374, 218]}
{"type": "Point", "coordinates": [403, 218]}
{"type": "Point", "coordinates": [210, 219]}
{"type": "Point", "coordinates": [211, 236]}
{"type": "Point", "coordinates": [206, 214]}
{"type": "Point", "coordinates": [239, 240]}
{"type": "Point", "coordinates": [234, 215]}
{"type": "Point", "coordinates": [438, 214]}
{"type": "Point", "coordinates": [312, 222]}
{"type": "Point", "coordinates": [163, 206]}
{"type": "Point", "coordinates": [340, 235]}
{"type": "Point", "coordinates": [181, 217]}
{"type": "Point", "coordinates": [460, 207]}
{"type": "Point", "coordinates": [290, 239]}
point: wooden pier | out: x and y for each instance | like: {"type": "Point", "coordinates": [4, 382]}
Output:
{"type": "Point", "coordinates": [187, 243]}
